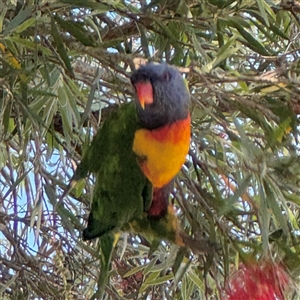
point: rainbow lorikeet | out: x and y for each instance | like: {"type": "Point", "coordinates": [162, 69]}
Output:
{"type": "Point", "coordinates": [138, 151]}
{"type": "Point", "coordinates": [135, 155]}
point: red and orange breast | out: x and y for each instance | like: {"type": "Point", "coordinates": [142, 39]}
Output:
{"type": "Point", "coordinates": [163, 151]}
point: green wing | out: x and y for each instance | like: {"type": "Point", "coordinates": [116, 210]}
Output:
{"type": "Point", "coordinates": [121, 188]}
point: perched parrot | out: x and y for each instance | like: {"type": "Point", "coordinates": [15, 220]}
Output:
{"type": "Point", "coordinates": [135, 155]}
{"type": "Point", "coordinates": [138, 151]}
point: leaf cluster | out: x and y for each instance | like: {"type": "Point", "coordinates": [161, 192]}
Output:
{"type": "Point", "coordinates": [64, 66]}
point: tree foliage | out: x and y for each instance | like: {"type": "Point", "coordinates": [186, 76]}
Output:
{"type": "Point", "coordinates": [64, 64]}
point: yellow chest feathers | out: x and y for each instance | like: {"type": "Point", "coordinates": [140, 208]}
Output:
{"type": "Point", "coordinates": [162, 152]}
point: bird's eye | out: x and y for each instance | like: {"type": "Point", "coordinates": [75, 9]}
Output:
{"type": "Point", "coordinates": [166, 76]}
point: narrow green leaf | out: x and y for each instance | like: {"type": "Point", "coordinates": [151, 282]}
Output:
{"type": "Point", "coordinates": [270, 11]}
{"type": "Point", "coordinates": [6, 116]}
{"type": "Point", "coordinates": [150, 278]}
{"type": "Point", "coordinates": [220, 33]}
{"type": "Point", "coordinates": [166, 30]}
{"type": "Point", "coordinates": [261, 6]}
{"type": "Point", "coordinates": [78, 188]}
{"type": "Point", "coordinates": [264, 216]}
{"type": "Point", "coordinates": [250, 38]}
{"type": "Point", "coordinates": [60, 47]}
{"type": "Point", "coordinates": [28, 23]}
{"type": "Point", "coordinates": [107, 246]}
{"type": "Point", "coordinates": [90, 100]}
{"type": "Point", "coordinates": [187, 287]}
{"type": "Point", "coordinates": [292, 198]}
{"type": "Point", "coordinates": [226, 46]}
{"type": "Point", "coordinates": [150, 266]}
{"type": "Point", "coordinates": [71, 98]}
{"type": "Point", "coordinates": [39, 103]}
{"type": "Point", "coordinates": [265, 30]}
{"type": "Point", "coordinates": [75, 29]}
{"type": "Point", "coordinates": [282, 130]}
{"type": "Point", "coordinates": [89, 21]}
{"type": "Point", "coordinates": [2, 15]}
{"type": "Point", "coordinates": [272, 27]}
{"type": "Point", "coordinates": [239, 20]}
{"type": "Point", "coordinates": [178, 260]}
{"type": "Point", "coordinates": [37, 92]}
{"type": "Point", "coordinates": [50, 145]}
{"type": "Point", "coordinates": [191, 274]}
{"type": "Point", "coordinates": [48, 113]}
{"type": "Point", "coordinates": [275, 206]}
{"type": "Point", "coordinates": [65, 111]}
{"type": "Point", "coordinates": [160, 280]}
{"type": "Point", "coordinates": [37, 211]}
{"type": "Point", "coordinates": [184, 288]}
{"type": "Point", "coordinates": [293, 220]}
{"type": "Point", "coordinates": [67, 217]}
{"type": "Point", "coordinates": [22, 15]}
{"type": "Point", "coordinates": [233, 199]}
{"type": "Point", "coordinates": [224, 52]}
{"type": "Point", "coordinates": [244, 86]}
{"type": "Point", "coordinates": [28, 44]}
{"type": "Point", "coordinates": [198, 46]}
{"type": "Point", "coordinates": [50, 194]}
{"type": "Point", "coordinates": [134, 270]}
{"type": "Point", "coordinates": [100, 7]}
{"type": "Point", "coordinates": [190, 289]}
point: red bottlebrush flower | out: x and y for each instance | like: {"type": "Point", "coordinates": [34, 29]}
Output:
{"type": "Point", "coordinates": [258, 281]}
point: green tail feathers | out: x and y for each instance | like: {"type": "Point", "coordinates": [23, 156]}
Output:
{"type": "Point", "coordinates": [107, 244]}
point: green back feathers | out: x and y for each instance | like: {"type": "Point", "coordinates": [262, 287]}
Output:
{"type": "Point", "coordinates": [120, 186]}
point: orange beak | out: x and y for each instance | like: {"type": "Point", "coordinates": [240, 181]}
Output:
{"type": "Point", "coordinates": [144, 92]}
